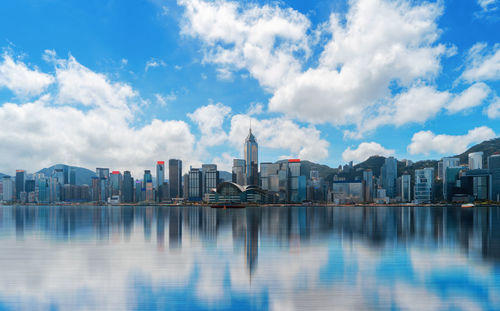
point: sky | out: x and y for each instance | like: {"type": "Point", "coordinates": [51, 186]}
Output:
{"type": "Point", "coordinates": [122, 84]}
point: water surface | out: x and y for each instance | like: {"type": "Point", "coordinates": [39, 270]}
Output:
{"type": "Point", "coordinates": [273, 258]}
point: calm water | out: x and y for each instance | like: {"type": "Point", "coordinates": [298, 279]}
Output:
{"type": "Point", "coordinates": [298, 258]}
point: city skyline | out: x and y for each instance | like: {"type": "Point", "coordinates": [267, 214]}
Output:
{"type": "Point", "coordinates": [189, 90]}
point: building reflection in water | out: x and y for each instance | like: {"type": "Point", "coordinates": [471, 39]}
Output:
{"type": "Point", "coordinates": [474, 231]}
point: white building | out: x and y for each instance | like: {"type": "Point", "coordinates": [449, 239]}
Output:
{"type": "Point", "coordinates": [475, 160]}
{"type": "Point", "coordinates": [424, 183]}
{"type": "Point", "coordinates": [7, 189]}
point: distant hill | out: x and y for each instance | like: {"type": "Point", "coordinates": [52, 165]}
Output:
{"type": "Point", "coordinates": [227, 176]}
{"type": "Point", "coordinates": [2, 175]}
{"type": "Point", "coordinates": [83, 175]}
{"type": "Point", "coordinates": [488, 147]}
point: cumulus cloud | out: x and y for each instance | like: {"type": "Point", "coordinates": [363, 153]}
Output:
{"type": "Point", "coordinates": [493, 110]}
{"type": "Point", "coordinates": [482, 64]}
{"type": "Point", "coordinates": [304, 142]}
{"type": "Point", "coordinates": [87, 120]}
{"type": "Point", "coordinates": [163, 100]}
{"type": "Point", "coordinates": [376, 45]}
{"type": "Point", "coordinates": [210, 119]}
{"type": "Point", "coordinates": [425, 142]}
{"type": "Point", "coordinates": [20, 79]}
{"type": "Point", "coordinates": [260, 39]}
{"type": "Point", "coordinates": [471, 97]}
{"type": "Point", "coordinates": [364, 151]}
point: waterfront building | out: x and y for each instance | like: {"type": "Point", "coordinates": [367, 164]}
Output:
{"type": "Point", "coordinates": [8, 191]}
{"type": "Point", "coordinates": [297, 183]}
{"type": "Point", "coordinates": [440, 173]}
{"type": "Point", "coordinates": [195, 184]}
{"type": "Point", "coordinates": [475, 160]}
{"type": "Point", "coordinates": [368, 185]}
{"type": "Point", "coordinates": [185, 186]}
{"type": "Point", "coordinates": [20, 183]}
{"type": "Point", "coordinates": [238, 171]}
{"type": "Point", "coordinates": [138, 191]}
{"type": "Point", "coordinates": [103, 175]}
{"type": "Point", "coordinates": [96, 188]}
{"type": "Point", "coordinates": [72, 176]}
{"type": "Point", "coordinates": [210, 177]}
{"type": "Point", "coordinates": [424, 185]}
{"type": "Point", "coordinates": [388, 175]}
{"type": "Point", "coordinates": [494, 168]}
{"type": "Point", "coordinates": [344, 192]}
{"type": "Point", "coordinates": [160, 179]}
{"type": "Point", "coordinates": [42, 189]}
{"type": "Point", "coordinates": [148, 185]}
{"type": "Point", "coordinates": [406, 188]}
{"type": "Point", "coordinates": [175, 178]}
{"type": "Point", "coordinates": [448, 162]}
{"type": "Point", "coordinates": [251, 151]}
{"type": "Point", "coordinates": [451, 181]}
{"type": "Point", "coordinates": [128, 187]}
{"type": "Point", "coordinates": [115, 180]}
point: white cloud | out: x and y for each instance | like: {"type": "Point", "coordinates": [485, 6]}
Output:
{"type": "Point", "coordinates": [364, 151]}
{"type": "Point", "coordinates": [482, 64]}
{"type": "Point", "coordinates": [379, 44]}
{"type": "Point", "coordinates": [210, 119]}
{"type": "Point", "coordinates": [425, 142]}
{"type": "Point", "coordinates": [255, 109]}
{"type": "Point", "coordinates": [416, 105]}
{"type": "Point", "coordinates": [154, 62]}
{"type": "Point", "coordinates": [493, 110]}
{"type": "Point", "coordinates": [280, 133]}
{"type": "Point", "coordinates": [487, 5]}
{"type": "Point", "coordinates": [163, 100]}
{"type": "Point", "coordinates": [471, 97]}
{"type": "Point", "coordinates": [20, 79]}
{"type": "Point", "coordinates": [261, 39]}
{"type": "Point", "coordinates": [87, 120]}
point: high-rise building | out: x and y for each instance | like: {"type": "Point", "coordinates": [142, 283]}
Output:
{"type": "Point", "coordinates": [103, 174]}
{"type": "Point", "coordinates": [42, 187]}
{"type": "Point", "coordinates": [239, 171]}
{"type": "Point", "coordinates": [128, 187]}
{"type": "Point", "coordinates": [175, 178]}
{"type": "Point", "coordinates": [297, 182]}
{"type": "Point", "coordinates": [251, 159]}
{"type": "Point", "coordinates": [29, 186]}
{"type": "Point", "coordinates": [138, 191]}
{"type": "Point", "coordinates": [368, 185]}
{"type": "Point", "coordinates": [405, 187]}
{"type": "Point", "coordinates": [475, 160]}
{"type": "Point", "coordinates": [160, 179]}
{"type": "Point", "coordinates": [195, 184]}
{"type": "Point", "coordinates": [494, 168]}
{"type": "Point", "coordinates": [72, 176]}
{"type": "Point", "coordinates": [210, 178]}
{"type": "Point", "coordinates": [389, 174]}
{"type": "Point", "coordinates": [115, 180]}
{"type": "Point", "coordinates": [96, 188]}
{"type": "Point", "coordinates": [7, 190]}
{"type": "Point", "coordinates": [424, 183]}
{"type": "Point", "coordinates": [440, 173]}
{"type": "Point", "coordinates": [20, 182]}
{"type": "Point", "coordinates": [185, 186]}
{"type": "Point", "coordinates": [447, 163]}
{"type": "Point", "coordinates": [148, 184]}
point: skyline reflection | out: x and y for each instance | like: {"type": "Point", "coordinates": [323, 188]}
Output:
{"type": "Point", "coordinates": [255, 258]}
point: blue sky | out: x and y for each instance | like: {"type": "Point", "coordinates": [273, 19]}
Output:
{"type": "Point", "coordinates": [125, 83]}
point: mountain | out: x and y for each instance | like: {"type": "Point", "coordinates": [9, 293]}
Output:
{"type": "Point", "coordinates": [83, 175]}
{"type": "Point", "coordinates": [488, 147]}
{"type": "Point", "coordinates": [227, 176]}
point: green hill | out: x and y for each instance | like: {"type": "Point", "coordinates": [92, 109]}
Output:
{"type": "Point", "coordinates": [488, 147]}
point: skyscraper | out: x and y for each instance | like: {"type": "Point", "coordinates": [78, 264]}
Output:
{"type": "Point", "coordinates": [7, 189]}
{"type": "Point", "coordinates": [195, 184]}
{"type": "Point", "coordinates": [251, 159]}
{"type": "Point", "coordinates": [405, 187]}
{"type": "Point", "coordinates": [368, 185]}
{"type": "Point", "coordinates": [447, 163]}
{"type": "Point", "coordinates": [148, 184]}
{"type": "Point", "coordinates": [115, 182]}
{"type": "Point", "coordinates": [128, 187]}
{"type": "Point", "coordinates": [424, 183]}
{"type": "Point", "coordinates": [20, 182]}
{"type": "Point", "coordinates": [160, 179]}
{"type": "Point", "coordinates": [103, 175]}
{"type": "Point", "coordinates": [210, 177]}
{"type": "Point", "coordinates": [494, 168]}
{"type": "Point", "coordinates": [239, 171]}
{"type": "Point", "coordinates": [389, 174]}
{"type": "Point", "coordinates": [175, 178]}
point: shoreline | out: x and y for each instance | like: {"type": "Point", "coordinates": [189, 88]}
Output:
{"type": "Point", "coordinates": [145, 204]}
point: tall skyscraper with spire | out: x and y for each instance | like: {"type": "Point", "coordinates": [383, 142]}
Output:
{"type": "Point", "coordinates": [251, 159]}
